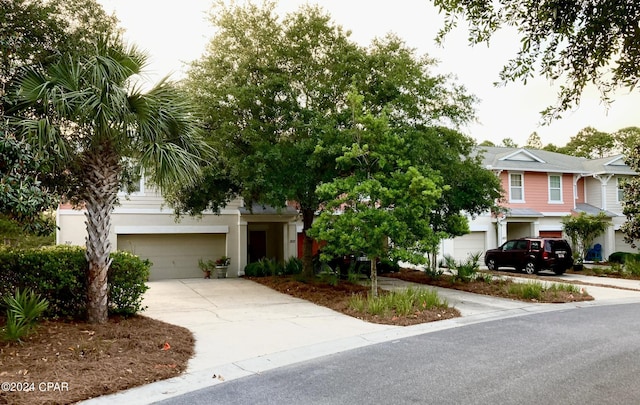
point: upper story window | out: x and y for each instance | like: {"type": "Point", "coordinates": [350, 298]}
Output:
{"type": "Point", "coordinates": [516, 187]}
{"type": "Point", "coordinates": [555, 188]}
{"type": "Point", "coordinates": [132, 180]}
{"type": "Point", "coordinates": [620, 189]}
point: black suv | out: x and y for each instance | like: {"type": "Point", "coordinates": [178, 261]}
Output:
{"type": "Point", "coordinates": [531, 255]}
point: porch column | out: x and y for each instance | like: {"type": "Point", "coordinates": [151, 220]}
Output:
{"type": "Point", "coordinates": [603, 188]}
{"type": "Point", "coordinates": [502, 231]}
{"type": "Point", "coordinates": [609, 242]}
{"type": "Point", "coordinates": [291, 240]}
{"type": "Point", "coordinates": [242, 253]}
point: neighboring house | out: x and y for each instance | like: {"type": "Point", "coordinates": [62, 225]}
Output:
{"type": "Point", "coordinates": [144, 225]}
{"type": "Point", "coordinates": [540, 188]}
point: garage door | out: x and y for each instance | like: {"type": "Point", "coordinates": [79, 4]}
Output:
{"type": "Point", "coordinates": [621, 246]}
{"type": "Point", "coordinates": [469, 244]}
{"type": "Point", "coordinates": [175, 255]}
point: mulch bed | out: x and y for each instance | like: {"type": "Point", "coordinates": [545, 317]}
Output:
{"type": "Point", "coordinates": [66, 362]}
{"type": "Point", "coordinates": [337, 298]}
{"type": "Point", "coordinates": [496, 288]}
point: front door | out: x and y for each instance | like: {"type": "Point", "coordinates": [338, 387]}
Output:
{"type": "Point", "coordinates": [257, 245]}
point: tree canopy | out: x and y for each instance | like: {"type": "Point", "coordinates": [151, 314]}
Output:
{"type": "Point", "coordinates": [37, 33]}
{"type": "Point", "coordinates": [582, 229]}
{"type": "Point", "coordinates": [591, 143]}
{"type": "Point", "coordinates": [577, 42]}
{"type": "Point", "coordinates": [23, 197]}
{"type": "Point", "coordinates": [381, 206]}
{"type": "Point", "coordinates": [87, 112]}
{"type": "Point", "coordinates": [274, 98]}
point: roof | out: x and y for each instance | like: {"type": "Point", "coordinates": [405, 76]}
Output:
{"type": "Point", "coordinates": [534, 160]}
{"type": "Point", "coordinates": [609, 165]}
{"type": "Point", "coordinates": [498, 158]}
{"type": "Point", "coordinates": [259, 209]}
{"type": "Point", "coordinates": [593, 210]}
{"type": "Point", "coordinates": [523, 212]}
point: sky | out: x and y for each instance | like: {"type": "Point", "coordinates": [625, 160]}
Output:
{"type": "Point", "coordinates": [176, 32]}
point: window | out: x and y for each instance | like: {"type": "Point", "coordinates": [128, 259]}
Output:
{"type": "Point", "coordinates": [555, 188]}
{"type": "Point", "coordinates": [620, 189]}
{"type": "Point", "coordinates": [132, 179]}
{"type": "Point", "coordinates": [516, 187]}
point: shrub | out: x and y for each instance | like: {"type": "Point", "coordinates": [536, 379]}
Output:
{"type": "Point", "coordinates": [59, 274]}
{"type": "Point", "coordinates": [329, 277]}
{"type": "Point", "coordinates": [622, 257]}
{"type": "Point", "coordinates": [293, 266]}
{"type": "Point", "coordinates": [254, 269]}
{"type": "Point", "coordinates": [464, 270]}
{"type": "Point", "coordinates": [23, 310]}
{"type": "Point", "coordinates": [264, 268]}
{"type": "Point", "coordinates": [632, 265]}
{"type": "Point", "coordinates": [127, 283]}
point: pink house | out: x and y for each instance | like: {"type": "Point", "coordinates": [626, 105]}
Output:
{"type": "Point", "coordinates": [540, 188]}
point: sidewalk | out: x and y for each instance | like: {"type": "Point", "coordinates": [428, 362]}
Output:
{"type": "Point", "coordinates": [243, 328]}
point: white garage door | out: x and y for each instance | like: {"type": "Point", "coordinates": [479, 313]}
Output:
{"type": "Point", "coordinates": [176, 255]}
{"type": "Point", "coordinates": [621, 246]}
{"type": "Point", "coordinates": [469, 244]}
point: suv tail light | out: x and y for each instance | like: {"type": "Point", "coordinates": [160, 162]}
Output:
{"type": "Point", "coordinates": [545, 255]}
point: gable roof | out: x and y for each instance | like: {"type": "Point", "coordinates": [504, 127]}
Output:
{"type": "Point", "coordinates": [498, 158]}
{"type": "Point", "coordinates": [534, 160]}
{"type": "Point", "coordinates": [609, 165]}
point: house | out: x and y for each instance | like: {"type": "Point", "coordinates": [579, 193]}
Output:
{"type": "Point", "coordinates": [540, 188]}
{"type": "Point", "coordinates": [145, 226]}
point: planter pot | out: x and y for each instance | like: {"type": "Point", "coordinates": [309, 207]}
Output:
{"type": "Point", "coordinates": [221, 271]}
{"type": "Point", "coordinates": [578, 267]}
{"type": "Point", "coordinates": [207, 274]}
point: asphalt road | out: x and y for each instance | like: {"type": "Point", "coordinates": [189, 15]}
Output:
{"type": "Point", "coordinates": [578, 356]}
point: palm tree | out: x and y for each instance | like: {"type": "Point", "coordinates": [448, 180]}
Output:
{"type": "Point", "coordinates": [87, 111]}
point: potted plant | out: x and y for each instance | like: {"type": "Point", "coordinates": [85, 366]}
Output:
{"type": "Point", "coordinates": [206, 266]}
{"type": "Point", "coordinates": [221, 265]}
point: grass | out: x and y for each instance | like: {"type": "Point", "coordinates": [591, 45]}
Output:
{"type": "Point", "coordinates": [400, 303]}
{"type": "Point", "coordinates": [487, 284]}
{"type": "Point", "coordinates": [535, 290]}
{"type": "Point", "coordinates": [629, 270]}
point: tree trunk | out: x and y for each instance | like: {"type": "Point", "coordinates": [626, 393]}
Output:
{"type": "Point", "coordinates": [101, 186]}
{"type": "Point", "coordinates": [374, 277]}
{"type": "Point", "coordinates": [307, 243]}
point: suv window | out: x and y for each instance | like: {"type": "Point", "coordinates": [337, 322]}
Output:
{"type": "Point", "coordinates": [522, 244]}
{"type": "Point", "coordinates": [535, 245]}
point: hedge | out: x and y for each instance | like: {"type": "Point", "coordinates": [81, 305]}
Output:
{"type": "Point", "coordinates": [59, 274]}
{"type": "Point", "coordinates": [621, 257]}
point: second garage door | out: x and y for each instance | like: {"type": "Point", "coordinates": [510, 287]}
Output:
{"type": "Point", "coordinates": [469, 244]}
{"type": "Point", "coordinates": [174, 255]}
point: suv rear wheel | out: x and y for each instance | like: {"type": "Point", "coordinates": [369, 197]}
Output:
{"type": "Point", "coordinates": [491, 264]}
{"type": "Point", "coordinates": [530, 268]}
